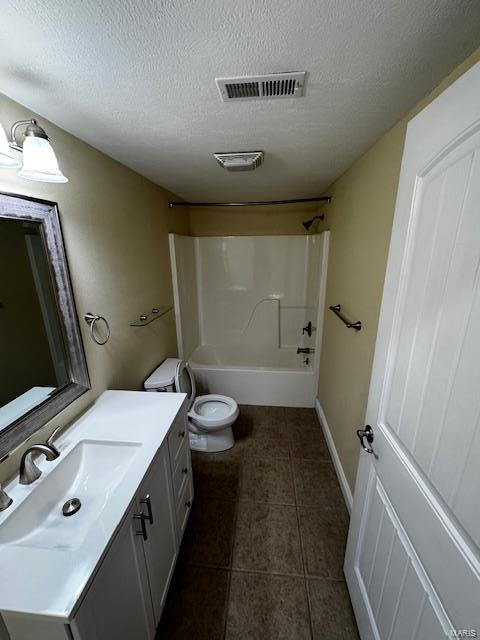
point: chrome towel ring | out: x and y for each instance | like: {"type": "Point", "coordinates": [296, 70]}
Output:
{"type": "Point", "coordinates": [91, 319]}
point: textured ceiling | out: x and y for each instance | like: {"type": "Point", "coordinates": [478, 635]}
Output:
{"type": "Point", "coordinates": [135, 78]}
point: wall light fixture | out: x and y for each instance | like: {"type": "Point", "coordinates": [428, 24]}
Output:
{"type": "Point", "coordinates": [39, 160]}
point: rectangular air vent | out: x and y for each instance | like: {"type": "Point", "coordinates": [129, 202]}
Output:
{"type": "Point", "coordinates": [240, 161]}
{"type": "Point", "coordinates": [273, 86]}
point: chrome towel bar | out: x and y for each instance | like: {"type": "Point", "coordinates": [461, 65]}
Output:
{"type": "Point", "coordinates": [337, 310]}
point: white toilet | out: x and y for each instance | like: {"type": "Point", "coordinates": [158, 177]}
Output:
{"type": "Point", "coordinates": [210, 417]}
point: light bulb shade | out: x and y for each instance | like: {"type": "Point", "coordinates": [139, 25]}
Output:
{"type": "Point", "coordinates": [7, 159]}
{"type": "Point", "coordinates": [39, 161]}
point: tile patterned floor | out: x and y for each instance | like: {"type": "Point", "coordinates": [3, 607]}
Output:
{"type": "Point", "coordinates": [263, 552]}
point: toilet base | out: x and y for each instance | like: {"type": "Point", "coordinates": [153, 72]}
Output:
{"type": "Point", "coordinates": [214, 442]}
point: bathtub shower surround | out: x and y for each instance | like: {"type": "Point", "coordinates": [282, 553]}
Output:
{"type": "Point", "coordinates": [243, 305]}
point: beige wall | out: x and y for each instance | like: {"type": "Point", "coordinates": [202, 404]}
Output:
{"type": "Point", "coordinates": [252, 221]}
{"type": "Point", "coordinates": [360, 219]}
{"type": "Point", "coordinates": [115, 226]}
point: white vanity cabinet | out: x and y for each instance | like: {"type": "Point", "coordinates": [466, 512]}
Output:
{"type": "Point", "coordinates": [128, 593]}
{"type": "Point", "coordinates": [125, 594]}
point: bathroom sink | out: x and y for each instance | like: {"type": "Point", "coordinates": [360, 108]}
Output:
{"type": "Point", "coordinates": [90, 472]}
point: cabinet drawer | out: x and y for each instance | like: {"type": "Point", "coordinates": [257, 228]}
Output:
{"type": "Point", "coordinates": [184, 506]}
{"type": "Point", "coordinates": [177, 437]}
{"type": "Point", "coordinates": [182, 472]}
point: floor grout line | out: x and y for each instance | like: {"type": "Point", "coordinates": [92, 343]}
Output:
{"type": "Point", "coordinates": [309, 609]}
{"type": "Point", "coordinates": [274, 504]}
{"type": "Point", "coordinates": [260, 572]}
{"type": "Point", "coordinates": [227, 603]}
{"type": "Point", "coordinates": [324, 579]}
{"type": "Point", "coordinates": [232, 549]}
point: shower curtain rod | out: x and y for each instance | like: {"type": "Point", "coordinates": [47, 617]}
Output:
{"type": "Point", "coordinates": [175, 203]}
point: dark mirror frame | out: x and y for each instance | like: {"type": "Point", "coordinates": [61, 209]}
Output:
{"type": "Point", "coordinates": [18, 207]}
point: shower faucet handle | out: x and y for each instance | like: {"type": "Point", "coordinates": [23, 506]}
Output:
{"type": "Point", "coordinates": [308, 329]}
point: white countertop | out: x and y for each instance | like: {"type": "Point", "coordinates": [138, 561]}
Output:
{"type": "Point", "coordinates": [49, 582]}
{"type": "Point", "coordinates": [22, 404]}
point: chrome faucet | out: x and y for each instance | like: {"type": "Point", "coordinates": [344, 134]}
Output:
{"type": "Point", "coordinates": [5, 500]}
{"type": "Point", "coordinates": [29, 472]}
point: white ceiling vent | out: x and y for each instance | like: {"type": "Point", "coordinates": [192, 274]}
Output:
{"type": "Point", "coordinates": [240, 161]}
{"type": "Point", "coordinates": [273, 86]}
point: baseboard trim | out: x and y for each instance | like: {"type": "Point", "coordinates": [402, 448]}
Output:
{"type": "Point", "coordinates": [342, 478]}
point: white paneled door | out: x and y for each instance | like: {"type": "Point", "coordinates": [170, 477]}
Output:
{"type": "Point", "coordinates": [413, 553]}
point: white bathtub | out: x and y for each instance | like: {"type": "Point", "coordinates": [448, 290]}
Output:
{"type": "Point", "coordinates": [279, 377]}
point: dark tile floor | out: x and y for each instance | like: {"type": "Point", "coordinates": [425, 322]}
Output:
{"type": "Point", "coordinates": [263, 552]}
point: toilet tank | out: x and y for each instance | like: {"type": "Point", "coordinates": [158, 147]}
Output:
{"type": "Point", "coordinates": [163, 377]}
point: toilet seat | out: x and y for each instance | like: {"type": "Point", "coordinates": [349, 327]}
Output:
{"type": "Point", "coordinates": [185, 382]}
{"type": "Point", "coordinates": [213, 411]}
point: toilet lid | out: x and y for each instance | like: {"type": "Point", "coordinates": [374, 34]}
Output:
{"type": "Point", "coordinates": [185, 382]}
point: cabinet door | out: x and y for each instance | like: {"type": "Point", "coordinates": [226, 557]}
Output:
{"type": "Point", "coordinates": [118, 604]}
{"type": "Point", "coordinates": [177, 436]}
{"type": "Point", "coordinates": [156, 499]}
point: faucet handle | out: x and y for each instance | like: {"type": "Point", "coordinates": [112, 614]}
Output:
{"type": "Point", "coordinates": [5, 500]}
{"type": "Point", "coordinates": [51, 438]}
{"type": "Point", "coordinates": [309, 328]}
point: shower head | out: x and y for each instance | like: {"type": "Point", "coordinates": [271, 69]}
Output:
{"type": "Point", "coordinates": [308, 223]}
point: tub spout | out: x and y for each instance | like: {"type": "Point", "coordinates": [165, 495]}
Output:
{"type": "Point", "coordinates": [305, 350]}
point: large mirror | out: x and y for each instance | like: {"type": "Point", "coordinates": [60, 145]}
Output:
{"type": "Point", "coordinates": [42, 363]}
